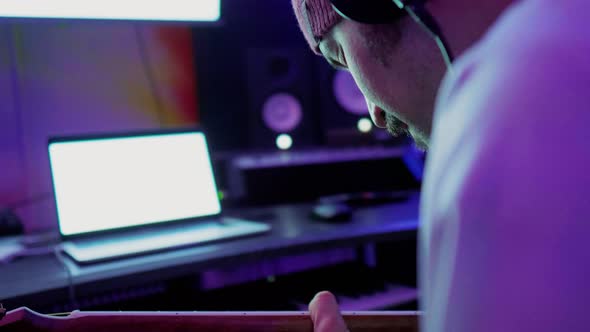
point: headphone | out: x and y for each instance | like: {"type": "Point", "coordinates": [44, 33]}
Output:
{"type": "Point", "coordinates": [388, 11]}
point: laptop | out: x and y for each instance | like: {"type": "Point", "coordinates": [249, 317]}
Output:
{"type": "Point", "coordinates": [131, 194]}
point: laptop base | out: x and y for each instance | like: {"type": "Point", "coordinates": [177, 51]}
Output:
{"type": "Point", "coordinates": [87, 251]}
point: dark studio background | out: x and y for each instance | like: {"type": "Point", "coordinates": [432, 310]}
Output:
{"type": "Point", "coordinates": [259, 50]}
{"type": "Point", "coordinates": [256, 51]}
{"type": "Point", "coordinates": [221, 57]}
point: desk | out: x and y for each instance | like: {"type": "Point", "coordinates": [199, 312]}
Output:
{"type": "Point", "coordinates": [40, 278]}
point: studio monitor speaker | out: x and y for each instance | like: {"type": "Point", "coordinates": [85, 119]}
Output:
{"type": "Point", "coordinates": [280, 93]}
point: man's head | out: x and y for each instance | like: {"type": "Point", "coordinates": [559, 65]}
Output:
{"type": "Point", "coordinates": [397, 66]}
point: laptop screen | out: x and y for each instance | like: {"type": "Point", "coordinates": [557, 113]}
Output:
{"type": "Point", "coordinates": [109, 183]}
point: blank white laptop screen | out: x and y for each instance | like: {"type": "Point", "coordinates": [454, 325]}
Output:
{"type": "Point", "coordinates": [103, 184]}
{"type": "Point", "coordinates": [169, 10]}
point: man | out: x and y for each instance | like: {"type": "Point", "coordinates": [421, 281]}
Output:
{"type": "Point", "coordinates": [505, 210]}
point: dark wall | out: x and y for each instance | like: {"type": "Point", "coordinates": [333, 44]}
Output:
{"type": "Point", "coordinates": [221, 57]}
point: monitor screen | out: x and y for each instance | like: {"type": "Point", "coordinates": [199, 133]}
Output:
{"type": "Point", "coordinates": [169, 10]}
{"type": "Point", "coordinates": [108, 183]}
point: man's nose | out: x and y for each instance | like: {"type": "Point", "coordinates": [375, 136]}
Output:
{"type": "Point", "coordinates": [377, 114]}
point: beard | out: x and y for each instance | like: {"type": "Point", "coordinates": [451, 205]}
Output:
{"type": "Point", "coordinates": [397, 128]}
{"type": "Point", "coordinates": [394, 126]}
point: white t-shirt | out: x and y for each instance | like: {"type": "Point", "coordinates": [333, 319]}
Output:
{"type": "Point", "coordinates": [505, 233]}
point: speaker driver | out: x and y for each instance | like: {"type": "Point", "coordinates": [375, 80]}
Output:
{"type": "Point", "coordinates": [282, 112]}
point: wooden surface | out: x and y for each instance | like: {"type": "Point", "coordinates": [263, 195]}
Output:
{"type": "Point", "coordinates": [23, 319]}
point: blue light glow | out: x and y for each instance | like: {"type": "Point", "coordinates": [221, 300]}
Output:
{"type": "Point", "coordinates": [284, 141]}
{"type": "Point", "coordinates": [364, 125]}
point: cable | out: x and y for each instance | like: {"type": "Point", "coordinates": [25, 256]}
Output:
{"type": "Point", "coordinates": [147, 68]}
{"type": "Point", "coordinates": [15, 79]}
{"type": "Point", "coordinates": [71, 287]}
{"type": "Point", "coordinates": [17, 95]}
{"type": "Point", "coordinates": [20, 252]}
{"type": "Point", "coordinates": [424, 19]}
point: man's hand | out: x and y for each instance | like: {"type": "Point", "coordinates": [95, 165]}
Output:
{"type": "Point", "coordinates": [325, 313]}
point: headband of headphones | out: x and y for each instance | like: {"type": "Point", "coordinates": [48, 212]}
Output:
{"type": "Point", "coordinates": [372, 11]}
{"type": "Point", "coordinates": [387, 11]}
{"type": "Point", "coordinates": [368, 11]}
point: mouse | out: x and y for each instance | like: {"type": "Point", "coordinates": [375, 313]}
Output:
{"type": "Point", "coordinates": [331, 212]}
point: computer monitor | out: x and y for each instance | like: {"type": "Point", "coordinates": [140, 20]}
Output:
{"type": "Point", "coordinates": [169, 10]}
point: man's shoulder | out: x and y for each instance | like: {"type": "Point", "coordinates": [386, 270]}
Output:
{"type": "Point", "coordinates": [528, 80]}
{"type": "Point", "coordinates": [537, 29]}
{"type": "Point", "coordinates": [530, 43]}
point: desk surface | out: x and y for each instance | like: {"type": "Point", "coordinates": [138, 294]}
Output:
{"type": "Point", "coordinates": [292, 232]}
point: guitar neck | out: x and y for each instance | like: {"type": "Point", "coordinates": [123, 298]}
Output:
{"type": "Point", "coordinates": [24, 319]}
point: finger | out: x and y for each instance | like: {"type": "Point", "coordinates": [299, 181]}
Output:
{"type": "Point", "coordinates": [325, 313]}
